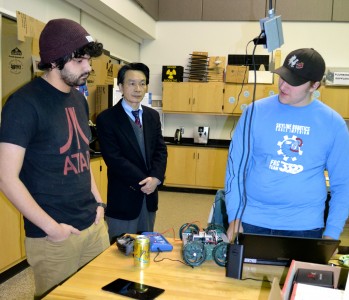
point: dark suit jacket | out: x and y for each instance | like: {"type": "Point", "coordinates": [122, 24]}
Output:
{"type": "Point", "coordinates": [126, 166]}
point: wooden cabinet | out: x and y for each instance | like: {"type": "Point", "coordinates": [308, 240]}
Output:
{"type": "Point", "coordinates": [181, 166]}
{"type": "Point", "coordinates": [212, 98]}
{"type": "Point", "coordinates": [11, 235]}
{"type": "Point", "coordinates": [269, 90]}
{"type": "Point", "coordinates": [196, 167]}
{"type": "Point", "coordinates": [237, 97]}
{"type": "Point", "coordinates": [210, 167]}
{"type": "Point", "coordinates": [336, 97]}
{"type": "Point", "coordinates": [99, 169]}
{"type": "Point", "coordinates": [202, 97]}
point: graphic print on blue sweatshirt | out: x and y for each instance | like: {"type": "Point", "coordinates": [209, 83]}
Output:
{"type": "Point", "coordinates": [289, 149]}
{"type": "Point", "coordinates": [75, 161]}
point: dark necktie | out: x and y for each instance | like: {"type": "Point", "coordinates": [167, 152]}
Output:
{"type": "Point", "coordinates": [137, 120]}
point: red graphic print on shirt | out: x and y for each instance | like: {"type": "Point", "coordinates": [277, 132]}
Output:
{"type": "Point", "coordinates": [79, 161]}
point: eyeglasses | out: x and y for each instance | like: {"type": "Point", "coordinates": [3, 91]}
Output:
{"type": "Point", "coordinates": [134, 84]}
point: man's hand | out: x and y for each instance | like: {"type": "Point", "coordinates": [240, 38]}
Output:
{"type": "Point", "coordinates": [62, 232]}
{"type": "Point", "coordinates": [149, 185]}
{"type": "Point", "coordinates": [233, 229]}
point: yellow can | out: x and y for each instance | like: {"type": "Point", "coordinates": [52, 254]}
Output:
{"type": "Point", "coordinates": [141, 251]}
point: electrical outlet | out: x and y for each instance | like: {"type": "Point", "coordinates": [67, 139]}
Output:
{"type": "Point", "coordinates": [182, 130]}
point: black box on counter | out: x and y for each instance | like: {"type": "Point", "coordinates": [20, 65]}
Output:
{"type": "Point", "coordinates": [172, 73]}
{"type": "Point", "coordinates": [314, 277]}
{"type": "Point", "coordinates": [247, 60]}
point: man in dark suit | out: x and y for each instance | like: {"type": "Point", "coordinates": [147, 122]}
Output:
{"type": "Point", "coordinates": [134, 150]}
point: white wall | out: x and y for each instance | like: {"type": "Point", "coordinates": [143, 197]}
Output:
{"type": "Point", "coordinates": [118, 44]}
{"type": "Point", "coordinates": [176, 40]}
{"type": "Point", "coordinates": [43, 10]}
{"type": "Point", "coordinates": [131, 12]}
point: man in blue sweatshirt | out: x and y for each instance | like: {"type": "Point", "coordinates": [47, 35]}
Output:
{"type": "Point", "coordinates": [282, 145]}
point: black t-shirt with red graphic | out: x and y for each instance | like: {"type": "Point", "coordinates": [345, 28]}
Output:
{"type": "Point", "coordinates": [53, 128]}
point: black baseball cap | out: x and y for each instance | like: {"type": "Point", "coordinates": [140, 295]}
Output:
{"type": "Point", "coordinates": [301, 66]}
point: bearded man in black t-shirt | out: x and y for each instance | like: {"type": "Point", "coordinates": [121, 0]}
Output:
{"type": "Point", "coordinates": [45, 162]}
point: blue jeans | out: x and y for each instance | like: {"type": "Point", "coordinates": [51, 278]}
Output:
{"type": "Point", "coordinates": [313, 233]}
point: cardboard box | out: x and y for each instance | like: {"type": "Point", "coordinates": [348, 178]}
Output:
{"type": "Point", "coordinates": [172, 73]}
{"type": "Point", "coordinates": [104, 97]}
{"type": "Point", "coordinates": [216, 66]}
{"type": "Point", "coordinates": [116, 68]}
{"type": "Point", "coordinates": [285, 294]}
{"type": "Point", "coordinates": [199, 54]}
{"type": "Point", "coordinates": [28, 27]}
{"type": "Point", "coordinates": [236, 74]}
{"type": "Point", "coordinates": [91, 100]}
{"type": "Point", "coordinates": [16, 59]}
{"type": "Point", "coordinates": [261, 76]}
{"type": "Point", "coordinates": [102, 70]}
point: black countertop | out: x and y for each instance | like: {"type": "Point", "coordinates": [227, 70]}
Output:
{"type": "Point", "coordinates": [186, 142]}
{"type": "Point", "coordinates": [212, 143]}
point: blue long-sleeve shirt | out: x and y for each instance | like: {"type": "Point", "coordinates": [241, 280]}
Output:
{"type": "Point", "coordinates": [275, 171]}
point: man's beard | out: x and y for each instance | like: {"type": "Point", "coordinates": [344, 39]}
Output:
{"type": "Point", "coordinates": [73, 80]}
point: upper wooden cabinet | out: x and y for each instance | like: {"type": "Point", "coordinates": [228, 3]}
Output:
{"type": "Point", "coordinates": [237, 10]}
{"type": "Point", "coordinates": [203, 97]}
{"type": "Point", "coordinates": [336, 97]}
{"type": "Point", "coordinates": [238, 96]}
{"type": "Point", "coordinates": [190, 97]}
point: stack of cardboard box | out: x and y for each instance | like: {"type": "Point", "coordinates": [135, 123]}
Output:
{"type": "Point", "coordinates": [216, 66]}
{"type": "Point", "coordinates": [103, 73]}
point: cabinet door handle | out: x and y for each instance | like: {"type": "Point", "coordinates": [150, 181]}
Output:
{"type": "Point", "coordinates": [198, 155]}
{"type": "Point", "coordinates": [193, 101]}
{"type": "Point", "coordinates": [194, 155]}
{"type": "Point", "coordinates": [189, 101]}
